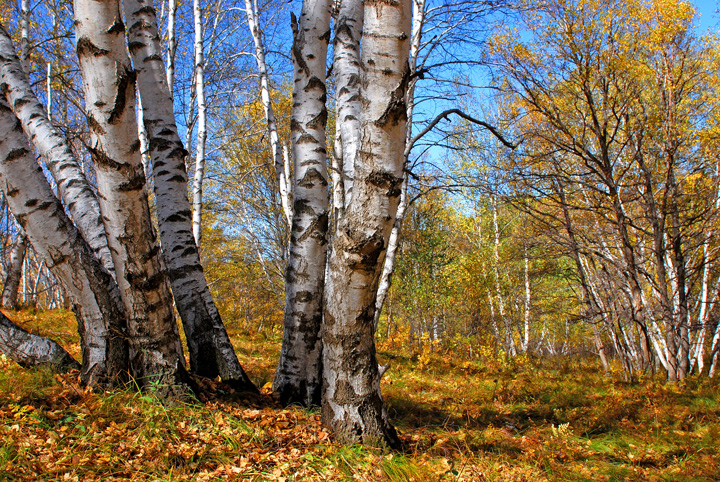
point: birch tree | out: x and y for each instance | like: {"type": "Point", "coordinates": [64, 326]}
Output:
{"type": "Point", "coordinates": [93, 293]}
{"type": "Point", "coordinates": [281, 162]}
{"type": "Point", "coordinates": [298, 377]}
{"type": "Point", "coordinates": [211, 352]}
{"type": "Point", "coordinates": [109, 87]}
{"type": "Point", "coordinates": [201, 122]}
{"type": "Point", "coordinates": [72, 185]}
{"type": "Point", "coordinates": [352, 402]}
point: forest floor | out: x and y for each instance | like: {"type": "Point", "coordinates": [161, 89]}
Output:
{"type": "Point", "coordinates": [461, 415]}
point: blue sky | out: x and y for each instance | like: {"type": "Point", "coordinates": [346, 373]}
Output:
{"type": "Point", "coordinates": [708, 19]}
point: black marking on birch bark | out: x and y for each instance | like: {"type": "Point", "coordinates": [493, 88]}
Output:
{"type": "Point", "coordinates": [30, 203]}
{"type": "Point", "coordinates": [305, 139]}
{"type": "Point", "coordinates": [166, 131]}
{"type": "Point", "coordinates": [343, 33]}
{"type": "Point", "coordinates": [145, 284]}
{"type": "Point", "coordinates": [153, 57]}
{"type": "Point", "coordinates": [125, 82]}
{"type": "Point", "coordinates": [16, 154]}
{"type": "Point", "coordinates": [177, 217]}
{"type": "Point", "coordinates": [146, 10]}
{"type": "Point", "coordinates": [298, 44]}
{"type": "Point", "coordinates": [319, 121]}
{"type": "Point", "coordinates": [135, 183]}
{"type": "Point", "coordinates": [20, 102]}
{"type": "Point", "coordinates": [117, 27]}
{"type": "Point", "coordinates": [135, 45]}
{"type": "Point", "coordinates": [182, 272]}
{"type": "Point", "coordinates": [103, 160]}
{"type": "Point", "coordinates": [385, 180]}
{"type": "Point", "coordinates": [315, 83]}
{"type": "Point", "coordinates": [135, 146]}
{"type": "Point", "coordinates": [311, 177]}
{"type": "Point", "coordinates": [86, 47]}
{"type": "Point", "coordinates": [95, 125]}
{"type": "Point", "coordinates": [178, 178]}
{"type": "Point", "coordinates": [179, 153]}
{"type": "Point", "coordinates": [396, 109]}
{"type": "Point", "coordinates": [364, 250]}
{"type": "Point", "coordinates": [317, 230]}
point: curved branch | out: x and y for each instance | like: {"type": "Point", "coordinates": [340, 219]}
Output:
{"type": "Point", "coordinates": [447, 113]}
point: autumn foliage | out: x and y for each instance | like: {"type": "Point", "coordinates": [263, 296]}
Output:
{"type": "Point", "coordinates": [464, 413]}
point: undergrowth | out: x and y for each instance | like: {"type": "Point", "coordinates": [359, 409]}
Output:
{"type": "Point", "coordinates": [460, 417]}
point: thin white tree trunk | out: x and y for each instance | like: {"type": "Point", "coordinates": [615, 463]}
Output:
{"type": "Point", "coordinates": [109, 86]}
{"type": "Point", "coordinates": [72, 185]}
{"type": "Point", "coordinates": [48, 90]}
{"type": "Point", "coordinates": [211, 352]}
{"type": "Point", "coordinates": [25, 35]}
{"type": "Point", "coordinates": [352, 403]}
{"type": "Point", "coordinates": [172, 46]}
{"type": "Point", "coordinates": [509, 340]}
{"type": "Point", "coordinates": [92, 291]}
{"type": "Point", "coordinates": [526, 335]}
{"type": "Point", "coordinates": [298, 378]}
{"type": "Point", "coordinates": [201, 124]}
{"type": "Point", "coordinates": [393, 244]}
{"type": "Point", "coordinates": [9, 296]}
{"type": "Point", "coordinates": [251, 10]}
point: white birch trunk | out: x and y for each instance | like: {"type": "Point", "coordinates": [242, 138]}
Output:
{"type": "Point", "coordinates": [389, 264]}
{"type": "Point", "coordinates": [109, 86]}
{"type": "Point", "coordinates": [352, 403]}
{"type": "Point", "coordinates": [298, 377]}
{"type": "Point", "coordinates": [346, 63]}
{"type": "Point", "coordinates": [9, 296]}
{"type": "Point", "coordinates": [251, 11]}
{"type": "Point", "coordinates": [172, 46]}
{"type": "Point", "coordinates": [201, 124]}
{"type": "Point", "coordinates": [211, 352]}
{"type": "Point", "coordinates": [509, 340]}
{"type": "Point", "coordinates": [526, 335]}
{"type": "Point", "coordinates": [28, 350]}
{"type": "Point", "coordinates": [393, 244]}
{"type": "Point", "coordinates": [92, 291]}
{"type": "Point", "coordinates": [72, 185]}
{"type": "Point", "coordinates": [25, 35]}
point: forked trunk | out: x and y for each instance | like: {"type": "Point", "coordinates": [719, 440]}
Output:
{"type": "Point", "coordinates": [69, 176]}
{"type": "Point", "coordinates": [352, 403]}
{"type": "Point", "coordinates": [109, 86]}
{"type": "Point", "coordinates": [211, 352]}
{"type": "Point", "coordinates": [92, 291]}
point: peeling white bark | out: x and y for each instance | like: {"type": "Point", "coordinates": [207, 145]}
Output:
{"type": "Point", "coordinates": [352, 402]}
